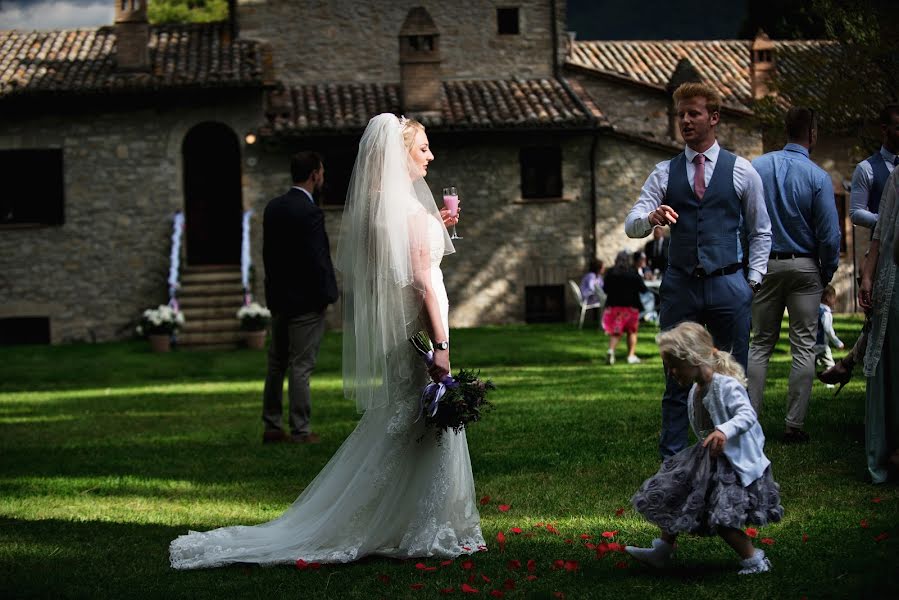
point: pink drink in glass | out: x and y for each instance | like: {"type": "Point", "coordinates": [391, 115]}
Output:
{"type": "Point", "coordinates": [452, 203]}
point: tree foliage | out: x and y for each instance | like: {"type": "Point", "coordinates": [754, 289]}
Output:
{"type": "Point", "coordinates": [849, 84]}
{"type": "Point", "coordinates": [187, 11]}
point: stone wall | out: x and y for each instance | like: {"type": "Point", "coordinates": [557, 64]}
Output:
{"type": "Point", "coordinates": [346, 40]}
{"type": "Point", "coordinates": [93, 275]}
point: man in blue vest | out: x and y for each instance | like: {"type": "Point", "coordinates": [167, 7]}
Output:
{"type": "Point", "coordinates": [868, 182]}
{"type": "Point", "coordinates": [805, 253]}
{"type": "Point", "coordinates": [707, 195]}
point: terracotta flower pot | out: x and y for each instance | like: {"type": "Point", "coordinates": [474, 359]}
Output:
{"type": "Point", "coordinates": [160, 343]}
{"type": "Point", "coordinates": [255, 339]}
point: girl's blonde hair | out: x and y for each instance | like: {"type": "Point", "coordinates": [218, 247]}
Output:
{"type": "Point", "coordinates": [410, 128]}
{"type": "Point", "coordinates": [691, 343]}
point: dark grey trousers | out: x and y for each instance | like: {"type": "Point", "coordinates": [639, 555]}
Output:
{"type": "Point", "coordinates": [293, 349]}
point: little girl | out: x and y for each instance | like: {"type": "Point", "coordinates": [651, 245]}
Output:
{"type": "Point", "coordinates": [826, 334]}
{"type": "Point", "coordinates": [722, 483]}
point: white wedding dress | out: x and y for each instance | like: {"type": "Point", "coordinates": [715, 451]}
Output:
{"type": "Point", "coordinates": [390, 490]}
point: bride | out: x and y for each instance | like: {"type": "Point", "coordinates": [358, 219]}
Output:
{"type": "Point", "coordinates": [391, 489]}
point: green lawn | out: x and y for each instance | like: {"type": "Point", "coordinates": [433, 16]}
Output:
{"type": "Point", "coordinates": [108, 452]}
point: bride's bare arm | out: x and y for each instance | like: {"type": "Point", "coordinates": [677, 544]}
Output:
{"type": "Point", "coordinates": [430, 310]}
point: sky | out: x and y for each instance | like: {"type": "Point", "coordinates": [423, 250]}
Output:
{"type": "Point", "coordinates": [591, 19]}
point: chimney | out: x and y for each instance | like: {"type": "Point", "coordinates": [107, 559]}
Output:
{"type": "Point", "coordinates": [761, 65]}
{"type": "Point", "coordinates": [420, 64]}
{"type": "Point", "coordinates": [132, 35]}
{"type": "Point", "coordinates": [684, 72]}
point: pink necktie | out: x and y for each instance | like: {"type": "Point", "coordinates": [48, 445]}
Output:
{"type": "Point", "coordinates": [699, 176]}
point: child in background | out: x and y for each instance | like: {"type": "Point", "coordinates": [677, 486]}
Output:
{"type": "Point", "coordinates": [826, 334]}
{"type": "Point", "coordinates": [723, 482]}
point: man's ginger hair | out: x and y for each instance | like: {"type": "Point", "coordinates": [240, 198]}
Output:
{"type": "Point", "coordinates": [703, 90]}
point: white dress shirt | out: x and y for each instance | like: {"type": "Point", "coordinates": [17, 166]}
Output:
{"type": "Point", "coordinates": [862, 179]}
{"type": "Point", "coordinates": [747, 185]}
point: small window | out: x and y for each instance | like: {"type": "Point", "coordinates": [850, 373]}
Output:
{"type": "Point", "coordinates": [24, 330]}
{"type": "Point", "coordinates": [544, 304]}
{"type": "Point", "coordinates": [33, 190]}
{"type": "Point", "coordinates": [541, 172]}
{"type": "Point", "coordinates": [507, 21]}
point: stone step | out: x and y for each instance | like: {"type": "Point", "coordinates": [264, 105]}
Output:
{"type": "Point", "coordinates": [211, 289]}
{"type": "Point", "coordinates": [210, 337]}
{"type": "Point", "coordinates": [209, 325]}
{"type": "Point", "coordinates": [231, 301]}
{"type": "Point", "coordinates": [211, 277]}
{"type": "Point", "coordinates": [202, 314]}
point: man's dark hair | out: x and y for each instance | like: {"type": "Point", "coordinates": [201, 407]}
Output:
{"type": "Point", "coordinates": [800, 122]}
{"type": "Point", "coordinates": [303, 164]}
{"type": "Point", "coordinates": [887, 113]}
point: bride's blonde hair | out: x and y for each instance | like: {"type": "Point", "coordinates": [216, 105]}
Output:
{"type": "Point", "coordinates": [410, 128]}
{"type": "Point", "coordinates": [691, 343]}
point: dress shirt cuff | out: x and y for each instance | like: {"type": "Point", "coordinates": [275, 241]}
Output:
{"type": "Point", "coordinates": [754, 275]}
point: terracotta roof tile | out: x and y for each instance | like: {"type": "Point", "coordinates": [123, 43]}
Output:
{"type": "Point", "coordinates": [83, 60]}
{"type": "Point", "coordinates": [723, 63]}
{"type": "Point", "coordinates": [469, 104]}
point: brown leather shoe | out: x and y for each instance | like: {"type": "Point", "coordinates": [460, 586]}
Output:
{"type": "Point", "coordinates": [273, 437]}
{"type": "Point", "coordinates": [309, 438]}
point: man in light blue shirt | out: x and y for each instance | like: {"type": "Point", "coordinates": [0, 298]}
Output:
{"type": "Point", "coordinates": [805, 253]}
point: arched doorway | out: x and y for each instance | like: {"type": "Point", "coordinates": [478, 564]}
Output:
{"type": "Point", "coordinates": [212, 196]}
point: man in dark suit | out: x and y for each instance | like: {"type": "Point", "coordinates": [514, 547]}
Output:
{"type": "Point", "coordinates": [656, 250]}
{"type": "Point", "coordinates": [299, 286]}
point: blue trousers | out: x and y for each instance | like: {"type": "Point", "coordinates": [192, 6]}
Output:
{"type": "Point", "coordinates": [724, 305]}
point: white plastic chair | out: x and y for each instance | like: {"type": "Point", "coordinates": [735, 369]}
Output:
{"type": "Point", "coordinates": [576, 291]}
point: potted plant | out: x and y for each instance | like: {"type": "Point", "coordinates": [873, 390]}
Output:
{"type": "Point", "coordinates": [254, 318]}
{"type": "Point", "coordinates": [158, 324]}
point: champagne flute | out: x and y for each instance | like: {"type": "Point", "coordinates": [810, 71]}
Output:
{"type": "Point", "coordinates": [451, 203]}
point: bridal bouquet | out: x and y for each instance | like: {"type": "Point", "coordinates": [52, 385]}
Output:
{"type": "Point", "coordinates": [455, 401]}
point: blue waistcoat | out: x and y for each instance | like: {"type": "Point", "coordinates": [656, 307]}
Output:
{"type": "Point", "coordinates": [707, 232]}
{"type": "Point", "coordinates": [881, 174]}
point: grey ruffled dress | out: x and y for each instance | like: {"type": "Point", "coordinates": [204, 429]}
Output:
{"type": "Point", "coordinates": [695, 493]}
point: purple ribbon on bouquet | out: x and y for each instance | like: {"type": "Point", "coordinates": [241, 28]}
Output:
{"type": "Point", "coordinates": [433, 392]}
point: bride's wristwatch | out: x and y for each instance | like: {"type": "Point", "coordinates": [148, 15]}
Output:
{"type": "Point", "coordinates": [441, 345]}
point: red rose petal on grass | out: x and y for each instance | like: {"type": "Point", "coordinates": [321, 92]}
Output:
{"type": "Point", "coordinates": [767, 541]}
{"type": "Point", "coordinates": [752, 532]}
{"type": "Point", "coordinates": [302, 564]}
{"type": "Point", "coordinates": [417, 586]}
{"type": "Point", "coordinates": [615, 547]}
{"type": "Point", "coordinates": [485, 578]}
{"type": "Point", "coordinates": [532, 565]}
{"type": "Point", "coordinates": [621, 564]}
{"type": "Point", "coordinates": [446, 563]}
{"type": "Point", "coordinates": [501, 540]}
{"type": "Point", "coordinates": [585, 536]}
{"type": "Point", "coordinates": [470, 579]}
{"type": "Point", "coordinates": [504, 507]}
{"type": "Point", "coordinates": [468, 565]}
{"type": "Point", "coordinates": [619, 512]}
{"type": "Point", "coordinates": [571, 566]}
{"type": "Point", "coordinates": [513, 565]}
{"type": "Point", "coordinates": [877, 500]}
{"type": "Point", "coordinates": [551, 529]}
{"type": "Point", "coordinates": [863, 523]}
{"type": "Point", "coordinates": [881, 537]}
{"type": "Point", "coordinates": [384, 579]}
{"type": "Point", "coordinates": [496, 593]}
{"type": "Point", "coordinates": [569, 541]}
{"type": "Point", "coordinates": [804, 538]}
{"type": "Point", "coordinates": [509, 584]}
{"type": "Point", "coordinates": [447, 590]}
{"type": "Point", "coordinates": [590, 546]}
{"type": "Point", "coordinates": [315, 566]}
{"type": "Point", "coordinates": [425, 568]}
{"type": "Point", "coordinates": [558, 564]}
{"type": "Point", "coordinates": [602, 549]}
{"type": "Point", "coordinates": [558, 595]}
{"type": "Point", "coordinates": [469, 590]}
{"type": "Point", "coordinates": [515, 530]}
{"type": "Point", "coordinates": [538, 524]}
{"type": "Point", "coordinates": [609, 534]}
{"type": "Point", "coordinates": [485, 500]}
{"type": "Point", "coordinates": [532, 578]}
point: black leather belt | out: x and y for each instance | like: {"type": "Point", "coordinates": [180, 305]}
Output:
{"type": "Point", "coordinates": [700, 273]}
{"type": "Point", "coordinates": [786, 255]}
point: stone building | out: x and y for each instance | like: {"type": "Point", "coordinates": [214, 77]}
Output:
{"type": "Point", "coordinates": [108, 133]}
